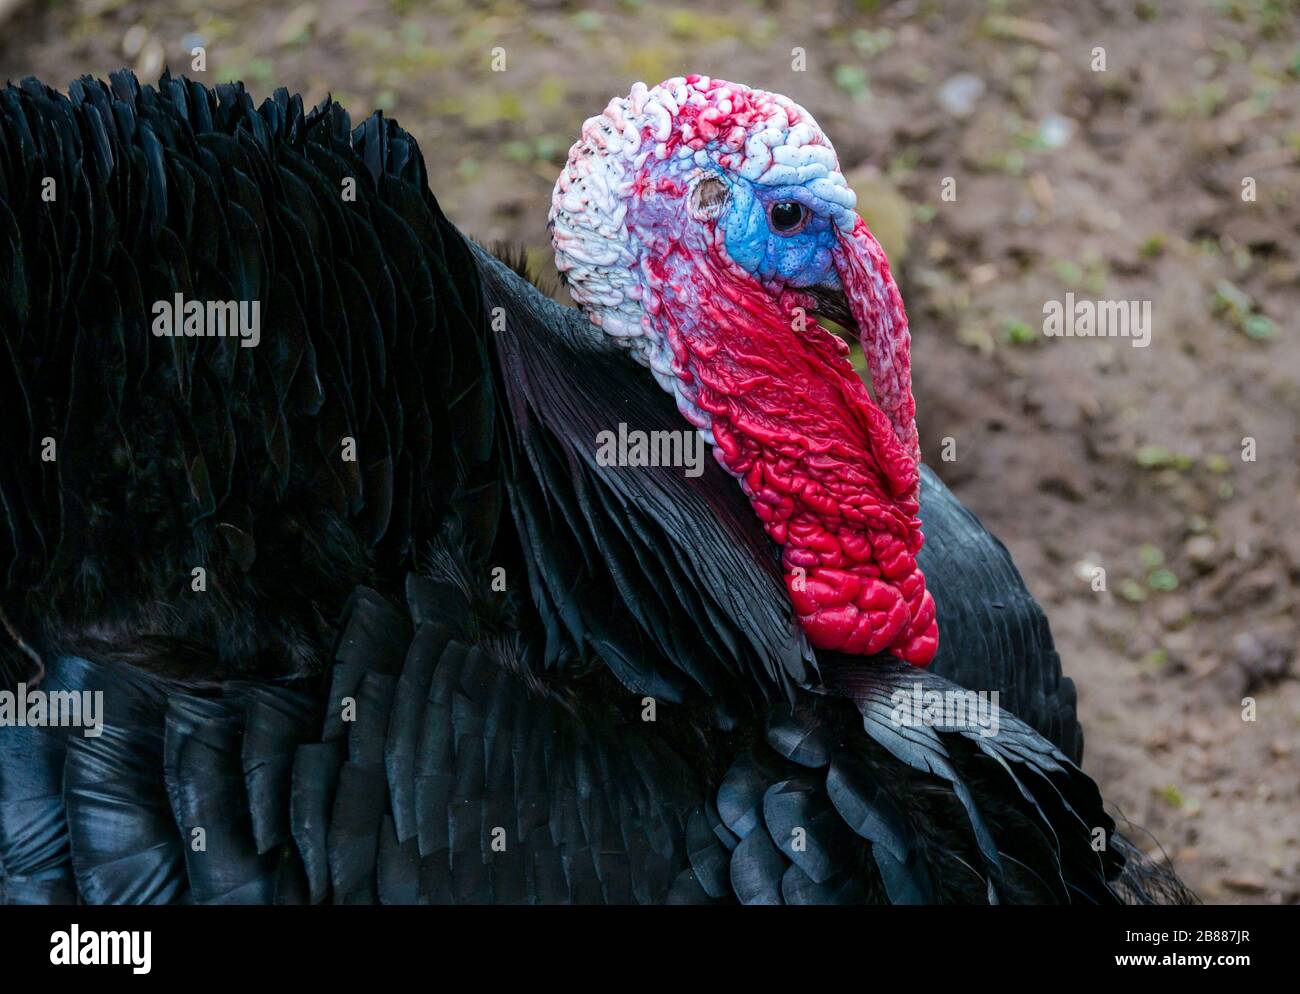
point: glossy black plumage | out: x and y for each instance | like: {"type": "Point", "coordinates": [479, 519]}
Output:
{"type": "Point", "coordinates": [355, 710]}
{"type": "Point", "coordinates": [512, 794]}
{"type": "Point", "coordinates": [180, 452]}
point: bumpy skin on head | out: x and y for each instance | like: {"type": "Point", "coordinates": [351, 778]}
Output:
{"type": "Point", "coordinates": [662, 228]}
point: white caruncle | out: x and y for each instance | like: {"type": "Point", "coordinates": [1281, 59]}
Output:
{"type": "Point", "coordinates": [594, 248]}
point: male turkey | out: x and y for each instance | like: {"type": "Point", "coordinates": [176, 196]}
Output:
{"type": "Point", "coordinates": [373, 622]}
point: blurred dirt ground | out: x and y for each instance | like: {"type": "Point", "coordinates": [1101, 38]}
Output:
{"type": "Point", "coordinates": [1125, 183]}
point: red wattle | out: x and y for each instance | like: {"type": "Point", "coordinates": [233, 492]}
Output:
{"type": "Point", "coordinates": [832, 476]}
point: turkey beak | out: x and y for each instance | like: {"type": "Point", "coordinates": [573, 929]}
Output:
{"type": "Point", "coordinates": [830, 302]}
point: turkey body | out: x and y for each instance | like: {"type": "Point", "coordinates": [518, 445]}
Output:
{"type": "Point", "coordinates": [370, 621]}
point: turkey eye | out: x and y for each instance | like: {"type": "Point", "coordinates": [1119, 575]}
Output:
{"type": "Point", "coordinates": [787, 215]}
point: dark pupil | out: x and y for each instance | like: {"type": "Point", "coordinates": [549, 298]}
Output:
{"type": "Point", "coordinates": [786, 215]}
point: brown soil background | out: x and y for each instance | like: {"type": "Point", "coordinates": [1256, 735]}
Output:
{"type": "Point", "coordinates": [1117, 184]}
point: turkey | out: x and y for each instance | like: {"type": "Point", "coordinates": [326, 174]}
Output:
{"type": "Point", "coordinates": [367, 616]}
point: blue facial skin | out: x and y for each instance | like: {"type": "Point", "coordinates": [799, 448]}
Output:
{"type": "Point", "coordinates": [798, 259]}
